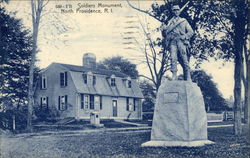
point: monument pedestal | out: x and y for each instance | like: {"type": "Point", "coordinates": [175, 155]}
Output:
{"type": "Point", "coordinates": [179, 118]}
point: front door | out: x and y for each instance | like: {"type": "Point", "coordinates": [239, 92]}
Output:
{"type": "Point", "coordinates": [114, 108]}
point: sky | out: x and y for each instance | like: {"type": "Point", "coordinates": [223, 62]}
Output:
{"type": "Point", "coordinates": [65, 35]}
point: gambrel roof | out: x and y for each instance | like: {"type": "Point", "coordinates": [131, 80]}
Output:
{"type": "Point", "coordinates": [102, 86]}
{"type": "Point", "coordinates": [76, 68]}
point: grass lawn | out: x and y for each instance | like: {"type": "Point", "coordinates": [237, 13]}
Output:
{"type": "Point", "coordinates": [118, 144]}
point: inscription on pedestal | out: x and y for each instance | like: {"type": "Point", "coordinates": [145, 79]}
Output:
{"type": "Point", "coordinates": [172, 97]}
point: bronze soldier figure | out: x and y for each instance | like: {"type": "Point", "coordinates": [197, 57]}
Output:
{"type": "Point", "coordinates": [178, 33]}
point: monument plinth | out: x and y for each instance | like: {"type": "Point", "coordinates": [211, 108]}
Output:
{"type": "Point", "coordinates": [179, 118]}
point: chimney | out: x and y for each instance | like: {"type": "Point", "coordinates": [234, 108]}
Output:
{"type": "Point", "coordinates": [89, 60]}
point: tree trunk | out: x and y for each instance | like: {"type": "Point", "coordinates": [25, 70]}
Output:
{"type": "Point", "coordinates": [36, 9]}
{"type": "Point", "coordinates": [245, 81]}
{"type": "Point", "coordinates": [248, 103]}
{"type": "Point", "coordinates": [237, 96]}
{"type": "Point", "coordinates": [13, 122]}
{"type": "Point", "coordinates": [246, 96]}
{"type": "Point", "coordinates": [239, 37]}
{"type": "Point", "coordinates": [31, 83]}
{"type": "Point", "coordinates": [31, 91]}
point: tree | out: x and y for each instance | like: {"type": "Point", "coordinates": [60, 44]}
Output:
{"type": "Point", "coordinates": [118, 63]}
{"type": "Point", "coordinates": [149, 93]}
{"type": "Point", "coordinates": [15, 48]}
{"type": "Point", "coordinates": [150, 49]}
{"type": "Point", "coordinates": [233, 21]}
{"type": "Point", "coordinates": [248, 104]}
{"type": "Point", "coordinates": [6, 1]}
{"type": "Point", "coordinates": [36, 10]}
{"type": "Point", "coordinates": [212, 97]}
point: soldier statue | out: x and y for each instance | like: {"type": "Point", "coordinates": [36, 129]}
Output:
{"type": "Point", "coordinates": [177, 34]}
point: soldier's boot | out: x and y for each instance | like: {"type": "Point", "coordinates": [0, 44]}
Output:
{"type": "Point", "coordinates": [187, 74]}
{"type": "Point", "coordinates": [174, 75]}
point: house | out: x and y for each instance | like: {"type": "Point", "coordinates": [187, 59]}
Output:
{"type": "Point", "coordinates": [77, 91]}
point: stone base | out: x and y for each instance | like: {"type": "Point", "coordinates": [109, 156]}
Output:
{"type": "Point", "coordinates": [177, 143]}
{"type": "Point", "coordinates": [97, 125]}
{"type": "Point", "coordinates": [179, 116]}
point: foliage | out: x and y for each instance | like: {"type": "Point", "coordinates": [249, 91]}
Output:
{"type": "Point", "coordinates": [6, 118]}
{"type": "Point", "coordinates": [149, 94]}
{"type": "Point", "coordinates": [44, 114]}
{"type": "Point", "coordinates": [15, 48]}
{"type": "Point", "coordinates": [212, 23]}
{"type": "Point", "coordinates": [212, 97]}
{"type": "Point", "coordinates": [118, 63]}
{"type": "Point", "coordinates": [2, 1]}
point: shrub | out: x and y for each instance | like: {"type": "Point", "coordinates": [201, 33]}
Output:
{"type": "Point", "coordinates": [20, 115]}
{"type": "Point", "coordinates": [44, 114]}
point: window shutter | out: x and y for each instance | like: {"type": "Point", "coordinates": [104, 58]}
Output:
{"type": "Point", "coordinates": [82, 101]}
{"type": "Point", "coordinates": [41, 102]}
{"type": "Point", "coordinates": [62, 79]}
{"type": "Point", "coordinates": [127, 103]}
{"type": "Point", "coordinates": [134, 104]}
{"type": "Point", "coordinates": [66, 78]}
{"type": "Point", "coordinates": [92, 102]}
{"type": "Point", "coordinates": [47, 102]}
{"type": "Point", "coordinates": [41, 82]}
{"type": "Point", "coordinates": [59, 103]}
{"type": "Point", "coordinates": [66, 102]}
{"type": "Point", "coordinates": [100, 102]}
{"type": "Point", "coordinates": [44, 82]}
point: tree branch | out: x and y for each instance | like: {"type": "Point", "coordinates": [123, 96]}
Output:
{"type": "Point", "coordinates": [143, 11]}
{"type": "Point", "coordinates": [146, 77]}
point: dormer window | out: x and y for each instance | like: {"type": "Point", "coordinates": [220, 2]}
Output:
{"type": "Point", "coordinates": [112, 82]}
{"type": "Point", "coordinates": [43, 82]}
{"type": "Point", "coordinates": [63, 79]}
{"type": "Point", "coordinates": [94, 80]}
{"type": "Point", "coordinates": [129, 84]}
{"type": "Point", "coordinates": [85, 78]}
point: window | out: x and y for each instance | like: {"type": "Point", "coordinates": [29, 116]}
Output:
{"type": "Point", "coordinates": [129, 84]}
{"type": "Point", "coordinates": [94, 80]}
{"type": "Point", "coordinates": [82, 101]}
{"type": "Point", "coordinates": [113, 82]}
{"type": "Point", "coordinates": [85, 78]}
{"type": "Point", "coordinates": [43, 82]}
{"type": "Point", "coordinates": [62, 102]}
{"type": "Point", "coordinates": [63, 79]}
{"type": "Point", "coordinates": [92, 102]}
{"type": "Point", "coordinates": [44, 102]}
{"type": "Point", "coordinates": [130, 104]}
{"type": "Point", "coordinates": [86, 101]}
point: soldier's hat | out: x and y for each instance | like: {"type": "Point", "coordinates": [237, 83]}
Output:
{"type": "Point", "coordinates": [175, 7]}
